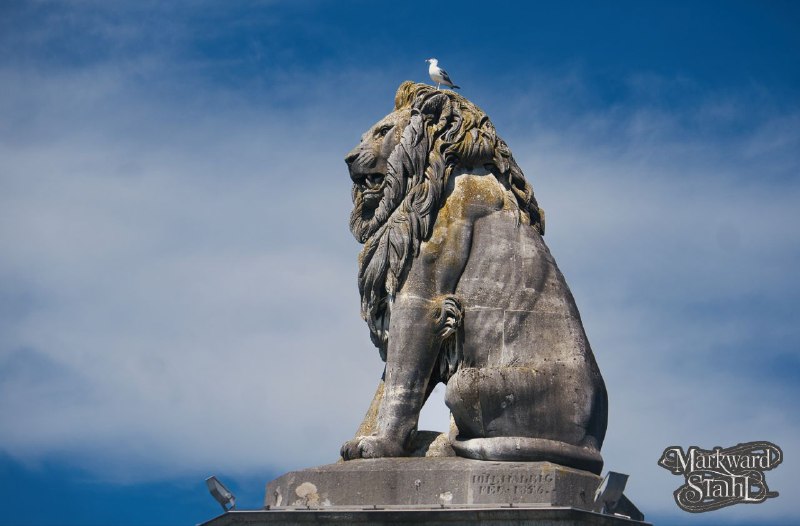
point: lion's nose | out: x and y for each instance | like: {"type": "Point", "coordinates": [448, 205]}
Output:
{"type": "Point", "coordinates": [350, 157]}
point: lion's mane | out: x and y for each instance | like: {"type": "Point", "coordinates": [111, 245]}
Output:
{"type": "Point", "coordinates": [445, 131]}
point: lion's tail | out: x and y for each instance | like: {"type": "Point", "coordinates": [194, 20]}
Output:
{"type": "Point", "coordinates": [526, 449]}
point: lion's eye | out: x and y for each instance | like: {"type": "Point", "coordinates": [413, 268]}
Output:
{"type": "Point", "coordinates": [383, 130]}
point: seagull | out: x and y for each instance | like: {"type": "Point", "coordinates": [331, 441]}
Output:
{"type": "Point", "coordinates": [438, 75]}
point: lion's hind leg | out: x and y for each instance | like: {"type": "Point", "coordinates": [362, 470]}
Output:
{"type": "Point", "coordinates": [522, 413]}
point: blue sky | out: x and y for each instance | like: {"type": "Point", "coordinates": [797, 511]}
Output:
{"type": "Point", "coordinates": [177, 279]}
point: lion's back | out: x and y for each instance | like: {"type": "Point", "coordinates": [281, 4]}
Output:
{"type": "Point", "coordinates": [523, 339]}
{"type": "Point", "coordinates": [515, 297]}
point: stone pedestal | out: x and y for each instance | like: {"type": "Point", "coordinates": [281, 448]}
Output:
{"type": "Point", "coordinates": [430, 491]}
{"type": "Point", "coordinates": [449, 481]}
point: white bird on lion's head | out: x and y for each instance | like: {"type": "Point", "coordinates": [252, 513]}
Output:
{"type": "Point", "coordinates": [439, 75]}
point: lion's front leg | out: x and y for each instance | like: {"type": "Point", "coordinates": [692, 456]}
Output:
{"type": "Point", "coordinates": [413, 349]}
{"type": "Point", "coordinates": [423, 314]}
{"type": "Point", "coordinates": [362, 445]}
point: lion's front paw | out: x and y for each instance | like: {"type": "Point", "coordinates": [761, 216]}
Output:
{"type": "Point", "coordinates": [372, 447]}
{"type": "Point", "coordinates": [350, 450]}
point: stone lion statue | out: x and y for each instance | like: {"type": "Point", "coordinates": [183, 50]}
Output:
{"type": "Point", "coordinates": [457, 286]}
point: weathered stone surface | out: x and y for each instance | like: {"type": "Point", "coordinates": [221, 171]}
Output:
{"type": "Point", "coordinates": [458, 286]}
{"type": "Point", "coordinates": [517, 516]}
{"type": "Point", "coordinates": [433, 481]}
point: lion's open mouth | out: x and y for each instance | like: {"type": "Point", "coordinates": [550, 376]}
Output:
{"type": "Point", "coordinates": [370, 185]}
{"type": "Point", "coordinates": [371, 182]}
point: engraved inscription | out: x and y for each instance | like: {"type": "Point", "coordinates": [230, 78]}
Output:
{"type": "Point", "coordinates": [512, 484]}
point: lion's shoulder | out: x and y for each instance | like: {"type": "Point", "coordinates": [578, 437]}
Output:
{"type": "Point", "coordinates": [471, 194]}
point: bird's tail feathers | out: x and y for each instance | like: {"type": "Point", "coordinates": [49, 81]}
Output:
{"type": "Point", "coordinates": [456, 87]}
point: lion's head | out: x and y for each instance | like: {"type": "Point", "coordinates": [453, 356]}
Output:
{"type": "Point", "coordinates": [399, 172]}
